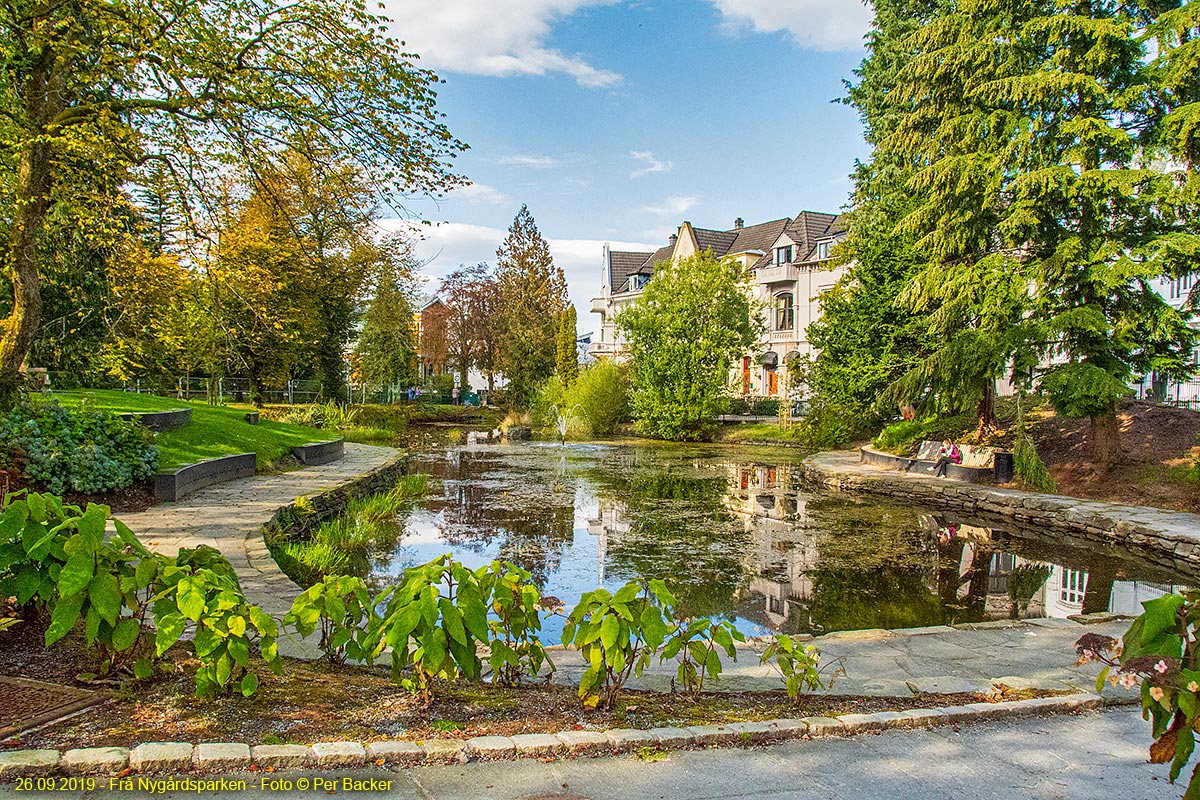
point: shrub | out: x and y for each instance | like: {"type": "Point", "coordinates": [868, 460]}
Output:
{"type": "Point", "coordinates": [832, 424]}
{"type": "Point", "coordinates": [83, 451]}
{"type": "Point", "coordinates": [799, 664]}
{"type": "Point", "coordinates": [360, 434]}
{"type": "Point", "coordinates": [515, 649]}
{"type": "Point", "coordinates": [58, 556]}
{"type": "Point", "coordinates": [695, 644]}
{"type": "Point", "coordinates": [1028, 466]}
{"type": "Point", "coordinates": [601, 393]}
{"type": "Point", "coordinates": [900, 437]}
{"type": "Point", "coordinates": [548, 400]}
{"type": "Point", "coordinates": [341, 607]}
{"type": "Point", "coordinates": [617, 634]}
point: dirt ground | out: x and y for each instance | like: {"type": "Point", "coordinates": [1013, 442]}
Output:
{"type": "Point", "coordinates": [319, 701]}
{"type": "Point", "coordinates": [1160, 450]}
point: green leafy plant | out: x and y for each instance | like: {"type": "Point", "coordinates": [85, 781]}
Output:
{"type": "Point", "coordinates": [340, 605]}
{"type": "Point", "coordinates": [899, 437]}
{"type": "Point", "coordinates": [695, 644]}
{"type": "Point", "coordinates": [515, 649]}
{"type": "Point", "coordinates": [1028, 466]}
{"type": "Point", "coordinates": [78, 450]}
{"type": "Point", "coordinates": [433, 623]}
{"type": "Point", "coordinates": [1160, 654]}
{"type": "Point", "coordinates": [201, 593]}
{"type": "Point", "coordinates": [800, 665]}
{"type": "Point", "coordinates": [617, 634]}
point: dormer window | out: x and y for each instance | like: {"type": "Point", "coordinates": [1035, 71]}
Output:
{"type": "Point", "coordinates": [823, 250]}
{"type": "Point", "coordinates": [783, 255]}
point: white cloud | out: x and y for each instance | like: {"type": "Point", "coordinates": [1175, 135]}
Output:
{"type": "Point", "coordinates": [536, 162]}
{"type": "Point", "coordinates": [481, 193]}
{"type": "Point", "coordinates": [672, 206]}
{"type": "Point", "coordinates": [492, 37]}
{"type": "Point", "coordinates": [828, 25]}
{"type": "Point", "coordinates": [653, 165]}
{"type": "Point", "coordinates": [448, 245]}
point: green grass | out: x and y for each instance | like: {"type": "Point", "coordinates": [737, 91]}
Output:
{"type": "Point", "coordinates": [214, 430]}
{"type": "Point", "coordinates": [765, 431]}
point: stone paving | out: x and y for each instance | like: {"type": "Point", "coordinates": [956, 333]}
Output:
{"type": "Point", "coordinates": [1038, 654]}
{"type": "Point", "coordinates": [230, 517]}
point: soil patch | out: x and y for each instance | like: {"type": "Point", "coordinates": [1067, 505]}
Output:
{"type": "Point", "coordinates": [319, 701]}
{"type": "Point", "coordinates": [137, 497]}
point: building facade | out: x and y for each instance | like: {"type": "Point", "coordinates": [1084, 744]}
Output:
{"type": "Point", "coordinates": [790, 266]}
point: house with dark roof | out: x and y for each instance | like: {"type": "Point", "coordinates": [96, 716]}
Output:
{"type": "Point", "coordinates": [789, 259]}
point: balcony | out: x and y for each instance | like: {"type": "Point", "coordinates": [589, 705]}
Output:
{"type": "Point", "coordinates": [777, 273]}
{"type": "Point", "coordinates": [783, 336]}
{"type": "Point", "coordinates": [605, 349]}
{"type": "Point", "coordinates": [599, 305]}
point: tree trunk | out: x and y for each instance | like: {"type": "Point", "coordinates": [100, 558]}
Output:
{"type": "Point", "coordinates": [1106, 438]}
{"type": "Point", "coordinates": [987, 406]}
{"type": "Point", "coordinates": [20, 328]}
{"type": "Point", "coordinates": [1098, 595]}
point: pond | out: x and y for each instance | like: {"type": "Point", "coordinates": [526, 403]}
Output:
{"type": "Point", "coordinates": [733, 533]}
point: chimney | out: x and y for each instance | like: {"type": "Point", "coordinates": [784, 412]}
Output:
{"type": "Point", "coordinates": [674, 239]}
{"type": "Point", "coordinates": [738, 224]}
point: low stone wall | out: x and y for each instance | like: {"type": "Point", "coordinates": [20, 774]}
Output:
{"type": "Point", "coordinates": [317, 453]}
{"type": "Point", "coordinates": [171, 486]}
{"type": "Point", "coordinates": [297, 518]}
{"type": "Point", "coordinates": [878, 458]}
{"type": "Point", "coordinates": [159, 421]}
{"type": "Point", "coordinates": [1165, 537]}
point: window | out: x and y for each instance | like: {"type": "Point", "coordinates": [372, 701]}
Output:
{"type": "Point", "coordinates": [785, 312]}
{"type": "Point", "coordinates": [783, 255]}
{"type": "Point", "coordinates": [638, 282]}
{"type": "Point", "coordinates": [1074, 584]}
{"type": "Point", "coordinates": [823, 249]}
{"type": "Point", "coordinates": [1180, 287]}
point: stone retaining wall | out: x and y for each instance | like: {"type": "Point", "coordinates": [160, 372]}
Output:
{"type": "Point", "coordinates": [171, 486]}
{"type": "Point", "coordinates": [1166, 537]}
{"type": "Point", "coordinates": [297, 518]}
{"type": "Point", "coordinates": [317, 453]}
{"type": "Point", "coordinates": [869, 455]}
{"type": "Point", "coordinates": [159, 421]}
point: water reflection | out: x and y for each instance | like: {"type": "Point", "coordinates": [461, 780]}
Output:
{"type": "Point", "coordinates": [734, 535]}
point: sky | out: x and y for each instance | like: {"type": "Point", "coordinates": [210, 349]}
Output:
{"type": "Point", "coordinates": [616, 120]}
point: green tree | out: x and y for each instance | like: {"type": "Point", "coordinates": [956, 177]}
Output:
{"type": "Point", "coordinates": [567, 361]}
{"type": "Point", "coordinates": [684, 333]}
{"type": "Point", "coordinates": [193, 86]}
{"type": "Point", "coordinates": [533, 295]}
{"type": "Point", "coordinates": [471, 296]}
{"type": "Point", "coordinates": [387, 348]}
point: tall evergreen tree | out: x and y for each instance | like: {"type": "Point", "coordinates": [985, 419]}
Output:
{"type": "Point", "coordinates": [534, 294]}
{"type": "Point", "coordinates": [567, 362]}
{"type": "Point", "coordinates": [387, 349]}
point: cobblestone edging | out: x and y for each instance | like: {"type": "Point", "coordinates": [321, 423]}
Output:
{"type": "Point", "coordinates": [1166, 537]}
{"type": "Point", "coordinates": [177, 757]}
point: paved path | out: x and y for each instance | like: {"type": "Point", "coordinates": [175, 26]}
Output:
{"type": "Point", "coordinates": [230, 517]}
{"type": "Point", "coordinates": [1031, 654]}
{"type": "Point", "coordinates": [1089, 756]}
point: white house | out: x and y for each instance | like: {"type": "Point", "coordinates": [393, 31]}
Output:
{"type": "Point", "coordinates": [789, 261]}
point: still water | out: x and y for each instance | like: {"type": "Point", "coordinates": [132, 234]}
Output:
{"type": "Point", "coordinates": [734, 534]}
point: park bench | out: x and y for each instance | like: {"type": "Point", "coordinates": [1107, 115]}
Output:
{"type": "Point", "coordinates": [978, 464]}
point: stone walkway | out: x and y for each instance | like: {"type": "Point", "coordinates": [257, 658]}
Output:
{"type": "Point", "coordinates": [230, 517]}
{"type": "Point", "coordinates": [1037, 654]}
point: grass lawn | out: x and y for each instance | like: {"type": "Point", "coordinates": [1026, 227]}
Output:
{"type": "Point", "coordinates": [760, 431]}
{"type": "Point", "coordinates": [214, 430]}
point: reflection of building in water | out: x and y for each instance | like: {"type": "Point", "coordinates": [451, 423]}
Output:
{"type": "Point", "coordinates": [784, 549]}
{"type": "Point", "coordinates": [608, 526]}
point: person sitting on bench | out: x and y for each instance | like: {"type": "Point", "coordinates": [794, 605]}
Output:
{"type": "Point", "coordinates": [949, 454]}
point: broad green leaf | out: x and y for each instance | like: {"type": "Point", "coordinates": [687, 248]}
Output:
{"type": "Point", "coordinates": [610, 629]}
{"type": "Point", "coordinates": [91, 525]}
{"type": "Point", "coordinates": [125, 634]}
{"type": "Point", "coordinates": [626, 593]}
{"type": "Point", "coordinates": [91, 625]}
{"type": "Point", "coordinates": [249, 684]}
{"type": "Point", "coordinates": [143, 668]}
{"type": "Point", "coordinates": [236, 625]}
{"type": "Point", "coordinates": [63, 617]}
{"type": "Point", "coordinates": [105, 597]}
{"type": "Point", "coordinates": [224, 668]}
{"type": "Point", "coordinates": [170, 628]}
{"type": "Point", "coordinates": [146, 570]}
{"type": "Point", "coordinates": [190, 599]}
{"type": "Point", "coordinates": [1100, 680]}
{"type": "Point", "coordinates": [76, 574]}
{"type": "Point", "coordinates": [263, 622]}
{"type": "Point", "coordinates": [1185, 743]}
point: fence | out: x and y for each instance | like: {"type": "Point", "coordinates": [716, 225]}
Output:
{"type": "Point", "coordinates": [300, 392]}
{"type": "Point", "coordinates": [1180, 394]}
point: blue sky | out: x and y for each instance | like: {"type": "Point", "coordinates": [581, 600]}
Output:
{"type": "Point", "coordinates": [615, 121]}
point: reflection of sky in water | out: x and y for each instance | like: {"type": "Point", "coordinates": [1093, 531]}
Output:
{"type": "Point", "coordinates": [733, 534]}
